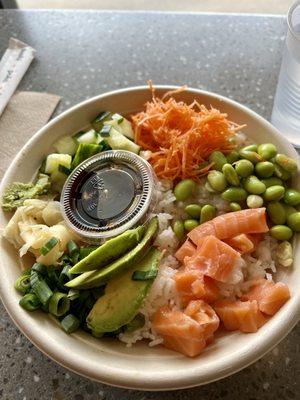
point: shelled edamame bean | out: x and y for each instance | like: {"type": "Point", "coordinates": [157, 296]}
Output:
{"type": "Point", "coordinates": [178, 229]}
{"type": "Point", "coordinates": [250, 155]}
{"type": "Point", "coordinates": [184, 189]}
{"type": "Point", "coordinates": [253, 185]}
{"type": "Point", "coordinates": [217, 180]}
{"type": "Point", "coordinates": [267, 150]}
{"type": "Point", "coordinates": [232, 157]}
{"type": "Point", "coordinates": [208, 212]}
{"type": "Point", "coordinates": [193, 210]}
{"type": "Point", "coordinates": [254, 201]}
{"type": "Point", "coordinates": [293, 221]}
{"type": "Point", "coordinates": [281, 232]}
{"type": "Point", "coordinates": [235, 206]}
{"type": "Point", "coordinates": [281, 173]}
{"type": "Point", "coordinates": [244, 168]}
{"type": "Point", "coordinates": [287, 163]}
{"type": "Point", "coordinates": [218, 159]}
{"type": "Point", "coordinates": [234, 194]}
{"type": "Point", "coordinates": [264, 169]}
{"type": "Point", "coordinates": [190, 224]}
{"type": "Point", "coordinates": [274, 193]}
{"type": "Point", "coordinates": [292, 197]}
{"type": "Point", "coordinates": [230, 175]}
{"type": "Point", "coordinates": [276, 212]}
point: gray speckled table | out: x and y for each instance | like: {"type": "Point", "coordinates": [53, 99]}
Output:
{"type": "Point", "coordinates": [81, 54]}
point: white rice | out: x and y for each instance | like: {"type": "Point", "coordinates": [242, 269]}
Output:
{"type": "Point", "coordinates": [163, 291]}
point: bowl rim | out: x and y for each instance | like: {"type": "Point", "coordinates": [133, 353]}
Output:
{"type": "Point", "coordinates": [124, 379]}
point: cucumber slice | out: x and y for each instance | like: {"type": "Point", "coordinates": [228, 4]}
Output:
{"type": "Point", "coordinates": [54, 160]}
{"type": "Point", "coordinates": [123, 126]}
{"type": "Point", "coordinates": [118, 141]}
{"type": "Point", "coordinates": [98, 122]}
{"type": "Point", "coordinates": [89, 137]}
{"type": "Point", "coordinates": [66, 145]}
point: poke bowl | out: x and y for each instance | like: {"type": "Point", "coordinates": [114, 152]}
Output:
{"type": "Point", "coordinates": [203, 281]}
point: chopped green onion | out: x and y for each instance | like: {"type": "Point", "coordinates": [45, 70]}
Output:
{"type": "Point", "coordinates": [65, 259]}
{"type": "Point", "coordinates": [85, 251]}
{"type": "Point", "coordinates": [143, 275]}
{"type": "Point", "coordinates": [34, 278]}
{"type": "Point", "coordinates": [118, 118]}
{"type": "Point", "coordinates": [59, 304]}
{"type": "Point", "coordinates": [30, 302]}
{"type": "Point", "coordinates": [73, 294]}
{"type": "Point", "coordinates": [22, 284]}
{"type": "Point", "coordinates": [40, 268]}
{"type": "Point", "coordinates": [73, 250]}
{"type": "Point", "coordinates": [65, 275]}
{"type": "Point", "coordinates": [48, 246]}
{"type": "Point", "coordinates": [42, 291]}
{"type": "Point", "coordinates": [105, 130]}
{"type": "Point", "coordinates": [72, 247]}
{"type": "Point", "coordinates": [70, 323]}
{"type": "Point", "coordinates": [64, 170]}
{"type": "Point", "coordinates": [52, 276]}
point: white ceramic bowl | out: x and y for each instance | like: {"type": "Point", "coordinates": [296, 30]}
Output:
{"type": "Point", "coordinates": [108, 360]}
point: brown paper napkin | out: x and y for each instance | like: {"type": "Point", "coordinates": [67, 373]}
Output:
{"type": "Point", "coordinates": [25, 114]}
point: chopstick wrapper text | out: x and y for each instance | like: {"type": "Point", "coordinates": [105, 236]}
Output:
{"type": "Point", "coordinates": [13, 66]}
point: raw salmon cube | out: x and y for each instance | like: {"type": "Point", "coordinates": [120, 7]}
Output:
{"type": "Point", "coordinates": [214, 258]}
{"type": "Point", "coordinates": [269, 295]}
{"type": "Point", "coordinates": [242, 315]}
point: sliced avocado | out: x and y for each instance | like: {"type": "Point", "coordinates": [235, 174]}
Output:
{"type": "Point", "coordinates": [111, 250]}
{"type": "Point", "coordinates": [92, 279]}
{"type": "Point", "coordinates": [123, 297]}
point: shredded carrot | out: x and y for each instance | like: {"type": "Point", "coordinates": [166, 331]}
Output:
{"type": "Point", "coordinates": [181, 136]}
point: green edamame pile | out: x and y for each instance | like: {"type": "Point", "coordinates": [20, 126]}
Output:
{"type": "Point", "coordinates": [256, 176]}
{"type": "Point", "coordinates": [253, 176]}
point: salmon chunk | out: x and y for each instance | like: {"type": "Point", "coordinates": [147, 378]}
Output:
{"type": "Point", "coordinates": [186, 250]}
{"type": "Point", "coordinates": [213, 258]}
{"type": "Point", "coordinates": [243, 243]}
{"type": "Point", "coordinates": [242, 315]}
{"type": "Point", "coordinates": [187, 332]}
{"type": "Point", "coordinates": [270, 296]}
{"type": "Point", "coordinates": [232, 224]}
{"type": "Point", "coordinates": [193, 285]}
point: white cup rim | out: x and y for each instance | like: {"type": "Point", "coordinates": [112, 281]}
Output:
{"type": "Point", "coordinates": [289, 19]}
